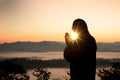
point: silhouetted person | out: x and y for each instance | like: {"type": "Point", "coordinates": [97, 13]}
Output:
{"type": "Point", "coordinates": [81, 53]}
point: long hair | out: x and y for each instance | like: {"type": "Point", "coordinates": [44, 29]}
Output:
{"type": "Point", "coordinates": [80, 25]}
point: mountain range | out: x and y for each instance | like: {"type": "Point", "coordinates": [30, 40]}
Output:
{"type": "Point", "coordinates": [46, 46]}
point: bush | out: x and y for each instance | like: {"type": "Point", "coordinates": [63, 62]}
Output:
{"type": "Point", "coordinates": [112, 73]}
{"type": "Point", "coordinates": [10, 71]}
{"type": "Point", "coordinates": [41, 74]}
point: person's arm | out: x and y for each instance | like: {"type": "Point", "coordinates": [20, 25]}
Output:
{"type": "Point", "coordinates": [71, 54]}
{"type": "Point", "coordinates": [71, 51]}
{"type": "Point", "coordinates": [67, 50]}
{"type": "Point", "coordinates": [67, 53]}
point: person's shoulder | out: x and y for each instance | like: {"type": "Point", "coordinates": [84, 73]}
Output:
{"type": "Point", "coordinates": [91, 38]}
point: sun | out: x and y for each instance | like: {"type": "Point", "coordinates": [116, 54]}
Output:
{"type": "Point", "coordinates": [74, 36]}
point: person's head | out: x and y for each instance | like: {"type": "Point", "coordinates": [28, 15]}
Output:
{"type": "Point", "coordinates": [79, 25]}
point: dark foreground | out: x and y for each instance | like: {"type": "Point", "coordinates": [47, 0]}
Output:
{"type": "Point", "coordinates": [29, 63]}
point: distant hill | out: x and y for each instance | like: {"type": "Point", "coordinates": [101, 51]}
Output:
{"type": "Point", "coordinates": [108, 47]}
{"type": "Point", "coordinates": [46, 46]}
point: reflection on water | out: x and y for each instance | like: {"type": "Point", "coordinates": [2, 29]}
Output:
{"type": "Point", "coordinates": [55, 73]}
{"type": "Point", "coordinates": [53, 55]}
{"type": "Point", "coordinates": [37, 55]}
{"type": "Point", "coordinates": [108, 55]}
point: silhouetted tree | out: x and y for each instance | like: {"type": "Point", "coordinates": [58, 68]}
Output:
{"type": "Point", "coordinates": [112, 73]}
{"type": "Point", "coordinates": [41, 74]}
{"type": "Point", "coordinates": [10, 71]}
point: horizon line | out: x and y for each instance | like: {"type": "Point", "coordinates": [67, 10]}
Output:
{"type": "Point", "coordinates": [55, 41]}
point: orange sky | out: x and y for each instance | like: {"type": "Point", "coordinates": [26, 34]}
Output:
{"type": "Point", "coordinates": [39, 20]}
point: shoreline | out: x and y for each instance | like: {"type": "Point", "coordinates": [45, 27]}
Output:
{"type": "Point", "coordinates": [29, 63]}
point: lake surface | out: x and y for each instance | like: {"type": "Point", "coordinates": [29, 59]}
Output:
{"type": "Point", "coordinates": [53, 55]}
{"type": "Point", "coordinates": [55, 72]}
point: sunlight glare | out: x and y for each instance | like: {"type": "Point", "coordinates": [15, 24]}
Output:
{"type": "Point", "coordinates": [74, 36]}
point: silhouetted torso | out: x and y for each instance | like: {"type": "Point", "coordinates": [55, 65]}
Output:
{"type": "Point", "coordinates": [82, 58]}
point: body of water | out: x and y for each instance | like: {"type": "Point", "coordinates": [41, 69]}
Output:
{"type": "Point", "coordinates": [54, 55]}
{"type": "Point", "coordinates": [55, 72]}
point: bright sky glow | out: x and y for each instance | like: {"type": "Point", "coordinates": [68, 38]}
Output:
{"type": "Point", "coordinates": [39, 20]}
